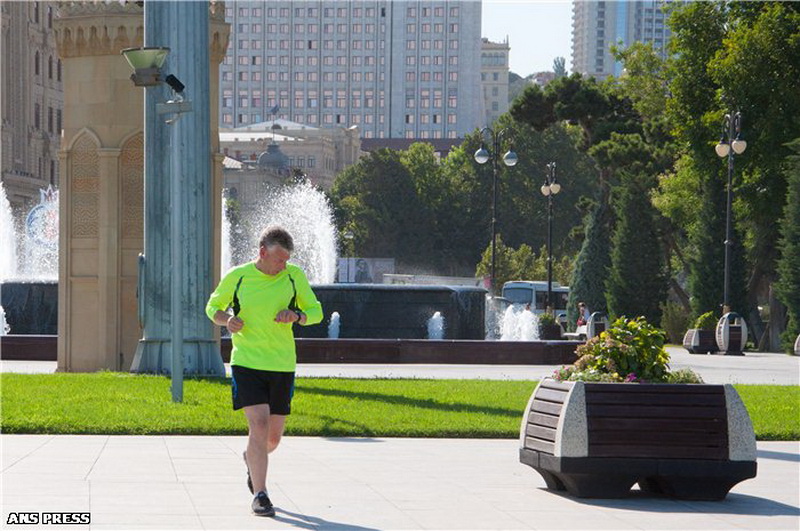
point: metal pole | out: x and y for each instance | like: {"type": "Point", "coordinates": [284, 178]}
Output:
{"type": "Point", "coordinates": [549, 251]}
{"type": "Point", "coordinates": [496, 145]}
{"type": "Point", "coordinates": [726, 307]}
{"type": "Point", "coordinates": [177, 270]}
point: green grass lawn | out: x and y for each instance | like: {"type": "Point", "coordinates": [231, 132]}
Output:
{"type": "Point", "coordinates": [121, 403]}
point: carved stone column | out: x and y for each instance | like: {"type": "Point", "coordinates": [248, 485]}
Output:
{"type": "Point", "coordinates": [100, 230]}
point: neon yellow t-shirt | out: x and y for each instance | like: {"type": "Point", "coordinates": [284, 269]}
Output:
{"type": "Point", "coordinates": [262, 343]}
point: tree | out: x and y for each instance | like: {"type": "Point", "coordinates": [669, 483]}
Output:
{"type": "Point", "coordinates": [788, 285]}
{"type": "Point", "coordinates": [559, 67]}
{"type": "Point", "coordinates": [591, 267]}
{"type": "Point", "coordinates": [637, 282]}
{"type": "Point", "coordinates": [736, 56]}
{"type": "Point", "coordinates": [378, 196]}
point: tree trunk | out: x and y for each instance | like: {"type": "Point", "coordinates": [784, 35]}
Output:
{"type": "Point", "coordinates": [777, 321]}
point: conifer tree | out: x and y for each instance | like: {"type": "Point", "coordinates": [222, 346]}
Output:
{"type": "Point", "coordinates": [788, 285]}
{"type": "Point", "coordinates": [637, 281]}
{"type": "Point", "coordinates": [591, 266]}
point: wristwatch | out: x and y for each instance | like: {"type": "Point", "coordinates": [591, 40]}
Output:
{"type": "Point", "coordinates": [299, 315]}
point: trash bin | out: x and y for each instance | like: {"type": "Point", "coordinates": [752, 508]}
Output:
{"type": "Point", "coordinates": [797, 346]}
{"type": "Point", "coordinates": [598, 322]}
{"type": "Point", "coordinates": [731, 334]}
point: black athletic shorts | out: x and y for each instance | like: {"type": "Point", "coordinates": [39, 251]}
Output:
{"type": "Point", "coordinates": [252, 386]}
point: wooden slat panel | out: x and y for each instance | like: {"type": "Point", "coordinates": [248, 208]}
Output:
{"type": "Point", "coordinates": [681, 389]}
{"type": "Point", "coordinates": [663, 438]}
{"type": "Point", "coordinates": [540, 419]}
{"type": "Point", "coordinates": [662, 412]}
{"type": "Point", "coordinates": [657, 451]}
{"type": "Point", "coordinates": [540, 432]}
{"type": "Point", "coordinates": [539, 445]}
{"type": "Point", "coordinates": [546, 407]}
{"type": "Point", "coordinates": [678, 425]}
{"type": "Point", "coordinates": [558, 386]}
{"type": "Point", "coordinates": [551, 395]}
{"type": "Point", "coordinates": [703, 399]}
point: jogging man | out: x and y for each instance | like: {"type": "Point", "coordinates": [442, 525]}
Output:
{"type": "Point", "coordinates": [266, 297]}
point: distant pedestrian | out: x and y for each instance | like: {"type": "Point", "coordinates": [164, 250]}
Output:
{"type": "Point", "coordinates": [266, 297]}
{"type": "Point", "coordinates": [583, 314]}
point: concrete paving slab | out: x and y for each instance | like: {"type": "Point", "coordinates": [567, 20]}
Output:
{"type": "Point", "coordinates": [358, 484]}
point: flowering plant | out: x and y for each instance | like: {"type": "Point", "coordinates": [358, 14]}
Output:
{"type": "Point", "coordinates": [631, 350]}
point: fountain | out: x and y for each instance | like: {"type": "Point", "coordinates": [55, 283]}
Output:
{"type": "Point", "coordinates": [8, 238]}
{"type": "Point", "coordinates": [436, 326]}
{"type": "Point", "coordinates": [519, 324]}
{"type": "Point", "coordinates": [5, 329]}
{"type": "Point", "coordinates": [29, 266]}
{"type": "Point", "coordinates": [386, 323]}
{"type": "Point", "coordinates": [333, 327]}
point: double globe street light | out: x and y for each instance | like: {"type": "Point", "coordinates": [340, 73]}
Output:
{"type": "Point", "coordinates": [729, 145]}
{"type": "Point", "coordinates": [482, 156]}
{"type": "Point", "coordinates": [549, 189]}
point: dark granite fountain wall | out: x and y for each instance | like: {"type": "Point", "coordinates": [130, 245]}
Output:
{"type": "Point", "coordinates": [382, 311]}
{"type": "Point", "coordinates": [369, 311]}
{"type": "Point", "coordinates": [31, 307]}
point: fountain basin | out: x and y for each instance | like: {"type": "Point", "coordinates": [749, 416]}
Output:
{"type": "Point", "coordinates": [380, 351]}
{"type": "Point", "coordinates": [31, 307]}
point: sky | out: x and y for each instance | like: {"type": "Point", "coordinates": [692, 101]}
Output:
{"type": "Point", "coordinates": [538, 31]}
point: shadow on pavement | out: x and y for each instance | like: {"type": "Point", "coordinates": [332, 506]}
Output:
{"type": "Point", "coordinates": [742, 504]}
{"type": "Point", "coordinates": [303, 521]}
{"type": "Point", "coordinates": [780, 456]}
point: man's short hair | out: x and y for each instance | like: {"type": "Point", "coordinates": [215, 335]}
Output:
{"type": "Point", "coordinates": [276, 236]}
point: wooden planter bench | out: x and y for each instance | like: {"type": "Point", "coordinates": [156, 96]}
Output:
{"type": "Point", "coordinates": [596, 440]}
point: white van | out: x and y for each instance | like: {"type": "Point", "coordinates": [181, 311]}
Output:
{"type": "Point", "coordinates": [534, 292]}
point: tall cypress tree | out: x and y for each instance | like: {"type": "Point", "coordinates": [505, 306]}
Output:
{"type": "Point", "coordinates": [637, 281]}
{"type": "Point", "coordinates": [788, 285]}
{"type": "Point", "coordinates": [592, 265]}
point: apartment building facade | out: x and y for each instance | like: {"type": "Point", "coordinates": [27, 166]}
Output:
{"type": "Point", "coordinates": [32, 101]}
{"type": "Point", "coordinates": [395, 69]}
{"type": "Point", "coordinates": [494, 78]}
{"type": "Point", "coordinates": [597, 25]}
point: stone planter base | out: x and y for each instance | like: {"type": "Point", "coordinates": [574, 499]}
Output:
{"type": "Point", "coordinates": [698, 341]}
{"type": "Point", "coordinates": [596, 440]}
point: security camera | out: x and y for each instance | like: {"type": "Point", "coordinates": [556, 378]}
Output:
{"type": "Point", "coordinates": [174, 83]}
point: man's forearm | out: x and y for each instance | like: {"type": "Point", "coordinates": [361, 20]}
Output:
{"type": "Point", "coordinates": [221, 318]}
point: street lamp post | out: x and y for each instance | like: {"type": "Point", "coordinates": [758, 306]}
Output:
{"type": "Point", "coordinates": [549, 189]}
{"type": "Point", "coordinates": [729, 145]}
{"type": "Point", "coordinates": [510, 159]}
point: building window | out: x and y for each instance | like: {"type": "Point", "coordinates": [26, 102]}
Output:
{"type": "Point", "coordinates": [58, 70]}
{"type": "Point", "coordinates": [50, 66]}
{"type": "Point", "coordinates": [36, 62]}
{"type": "Point", "coordinates": [37, 119]}
{"type": "Point", "coordinates": [50, 120]}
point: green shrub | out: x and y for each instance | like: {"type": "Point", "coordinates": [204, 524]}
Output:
{"type": "Point", "coordinates": [631, 350]}
{"type": "Point", "coordinates": [546, 319]}
{"type": "Point", "coordinates": [706, 321]}
{"type": "Point", "coordinates": [675, 321]}
{"type": "Point", "coordinates": [684, 376]}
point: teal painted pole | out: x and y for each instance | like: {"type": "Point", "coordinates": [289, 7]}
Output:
{"type": "Point", "coordinates": [178, 339]}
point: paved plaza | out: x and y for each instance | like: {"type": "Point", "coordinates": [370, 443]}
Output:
{"type": "Point", "coordinates": [188, 482]}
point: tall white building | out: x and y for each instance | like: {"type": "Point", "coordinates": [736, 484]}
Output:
{"type": "Point", "coordinates": [395, 69]}
{"type": "Point", "coordinates": [597, 25]}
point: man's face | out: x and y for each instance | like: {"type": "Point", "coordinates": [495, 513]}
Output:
{"type": "Point", "coordinates": [275, 258]}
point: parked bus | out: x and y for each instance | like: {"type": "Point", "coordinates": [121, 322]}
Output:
{"type": "Point", "coordinates": [534, 292]}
